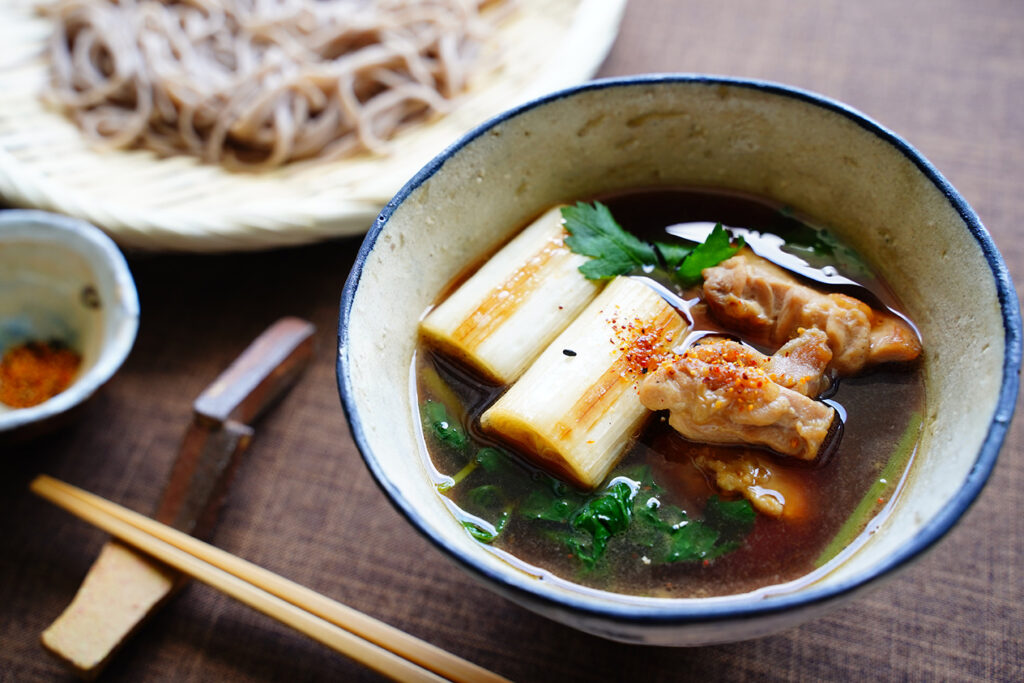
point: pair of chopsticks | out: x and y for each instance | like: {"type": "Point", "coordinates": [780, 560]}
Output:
{"type": "Point", "coordinates": [360, 637]}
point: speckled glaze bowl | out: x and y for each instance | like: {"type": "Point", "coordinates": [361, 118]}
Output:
{"type": "Point", "coordinates": [63, 279]}
{"type": "Point", "coordinates": [798, 148]}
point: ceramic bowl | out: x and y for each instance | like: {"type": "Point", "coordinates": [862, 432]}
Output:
{"type": "Point", "coordinates": [62, 279]}
{"type": "Point", "coordinates": [795, 147]}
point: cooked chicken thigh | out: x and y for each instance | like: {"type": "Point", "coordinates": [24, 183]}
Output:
{"type": "Point", "coordinates": [754, 295]}
{"type": "Point", "coordinates": [801, 363]}
{"type": "Point", "coordinates": [771, 490]}
{"type": "Point", "coordinates": [722, 391]}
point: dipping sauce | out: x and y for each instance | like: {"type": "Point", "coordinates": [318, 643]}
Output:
{"type": "Point", "coordinates": [661, 524]}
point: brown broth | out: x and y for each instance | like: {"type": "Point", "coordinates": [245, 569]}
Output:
{"type": "Point", "coordinates": [879, 405]}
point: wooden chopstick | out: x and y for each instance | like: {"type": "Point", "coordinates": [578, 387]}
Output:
{"type": "Point", "coordinates": [362, 638]}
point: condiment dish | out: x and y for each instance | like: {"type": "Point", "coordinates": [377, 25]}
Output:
{"type": "Point", "coordinates": [793, 147]}
{"type": "Point", "coordinates": [63, 281]}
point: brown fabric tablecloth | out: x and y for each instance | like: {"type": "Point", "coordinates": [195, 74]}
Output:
{"type": "Point", "coordinates": [947, 75]}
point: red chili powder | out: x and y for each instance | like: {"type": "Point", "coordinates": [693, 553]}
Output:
{"type": "Point", "coordinates": [34, 372]}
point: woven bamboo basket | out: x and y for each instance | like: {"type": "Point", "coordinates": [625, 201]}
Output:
{"type": "Point", "coordinates": [147, 202]}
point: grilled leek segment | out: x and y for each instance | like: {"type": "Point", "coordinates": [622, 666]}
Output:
{"type": "Point", "coordinates": [503, 316]}
{"type": "Point", "coordinates": [576, 409]}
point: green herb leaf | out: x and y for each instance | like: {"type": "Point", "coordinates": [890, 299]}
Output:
{"type": "Point", "coordinates": [654, 522]}
{"type": "Point", "coordinates": [692, 542]}
{"type": "Point", "coordinates": [446, 430]}
{"type": "Point", "coordinates": [480, 533]}
{"type": "Point", "coordinates": [601, 518]}
{"type": "Point", "coordinates": [648, 529]}
{"type": "Point", "coordinates": [724, 526]}
{"type": "Point", "coordinates": [486, 496]}
{"type": "Point", "coordinates": [801, 237]}
{"type": "Point", "coordinates": [630, 511]}
{"type": "Point", "coordinates": [494, 460]}
{"type": "Point", "coordinates": [594, 232]}
{"type": "Point", "coordinates": [555, 501]}
{"type": "Point", "coordinates": [485, 535]}
{"type": "Point", "coordinates": [540, 504]}
{"type": "Point", "coordinates": [671, 255]}
{"type": "Point", "coordinates": [733, 518]}
{"type": "Point", "coordinates": [715, 249]}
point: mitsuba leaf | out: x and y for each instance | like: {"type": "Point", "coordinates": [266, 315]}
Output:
{"type": "Point", "coordinates": [541, 504]}
{"type": "Point", "coordinates": [732, 519]}
{"type": "Point", "coordinates": [485, 535]}
{"type": "Point", "coordinates": [480, 533]}
{"type": "Point", "coordinates": [692, 542]}
{"type": "Point", "coordinates": [630, 509]}
{"type": "Point", "coordinates": [486, 496]}
{"type": "Point", "coordinates": [594, 232]}
{"type": "Point", "coordinates": [670, 256]}
{"type": "Point", "coordinates": [601, 518]}
{"type": "Point", "coordinates": [820, 248]}
{"type": "Point", "coordinates": [446, 430]}
{"type": "Point", "coordinates": [648, 529]}
{"type": "Point", "coordinates": [722, 529]}
{"type": "Point", "coordinates": [647, 524]}
{"type": "Point", "coordinates": [654, 522]}
{"type": "Point", "coordinates": [726, 513]}
{"type": "Point", "coordinates": [715, 249]}
{"type": "Point", "coordinates": [802, 237]}
{"type": "Point", "coordinates": [552, 501]}
{"type": "Point", "coordinates": [494, 460]}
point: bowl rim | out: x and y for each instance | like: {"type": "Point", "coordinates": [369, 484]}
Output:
{"type": "Point", "coordinates": [693, 611]}
{"type": "Point", "coordinates": [101, 252]}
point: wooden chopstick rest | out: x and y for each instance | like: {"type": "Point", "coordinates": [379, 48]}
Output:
{"type": "Point", "coordinates": [123, 588]}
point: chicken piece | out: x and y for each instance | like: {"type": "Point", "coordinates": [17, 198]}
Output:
{"type": "Point", "coordinates": [722, 392]}
{"type": "Point", "coordinates": [772, 491]}
{"type": "Point", "coordinates": [801, 363]}
{"type": "Point", "coordinates": [891, 338]}
{"type": "Point", "coordinates": [754, 295]}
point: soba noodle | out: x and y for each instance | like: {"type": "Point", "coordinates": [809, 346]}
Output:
{"type": "Point", "coordinates": [253, 84]}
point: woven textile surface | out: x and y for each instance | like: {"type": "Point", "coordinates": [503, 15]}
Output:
{"type": "Point", "coordinates": [946, 75]}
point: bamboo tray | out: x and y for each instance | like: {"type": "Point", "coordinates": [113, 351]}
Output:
{"type": "Point", "coordinates": [180, 204]}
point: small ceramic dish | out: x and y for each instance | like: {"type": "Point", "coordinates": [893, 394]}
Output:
{"type": "Point", "coordinates": [62, 280]}
{"type": "Point", "coordinates": [796, 148]}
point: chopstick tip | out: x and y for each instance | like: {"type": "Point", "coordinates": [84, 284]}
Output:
{"type": "Point", "coordinates": [40, 483]}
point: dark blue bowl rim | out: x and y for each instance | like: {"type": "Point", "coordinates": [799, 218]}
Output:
{"type": "Point", "coordinates": [690, 612]}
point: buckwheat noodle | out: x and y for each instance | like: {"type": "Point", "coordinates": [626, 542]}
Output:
{"type": "Point", "coordinates": [254, 84]}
